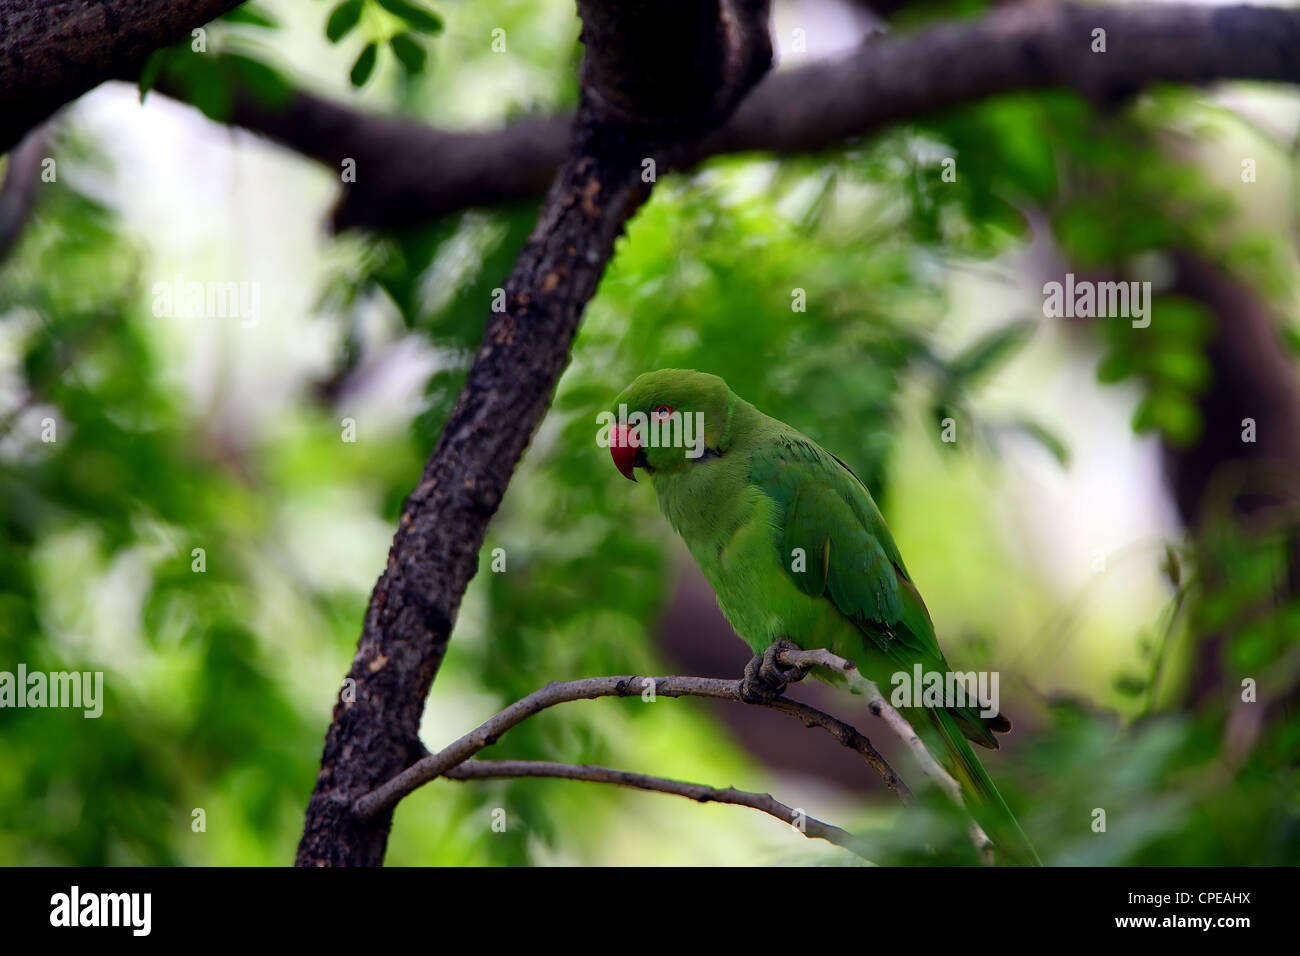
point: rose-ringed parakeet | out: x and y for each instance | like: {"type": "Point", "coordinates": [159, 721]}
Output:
{"type": "Point", "coordinates": [795, 549]}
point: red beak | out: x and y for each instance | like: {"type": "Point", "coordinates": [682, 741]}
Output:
{"type": "Point", "coordinates": [623, 445]}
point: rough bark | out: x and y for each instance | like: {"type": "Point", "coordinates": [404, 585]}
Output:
{"type": "Point", "coordinates": [52, 51]}
{"type": "Point", "coordinates": [435, 551]}
{"type": "Point", "coordinates": [1024, 47]}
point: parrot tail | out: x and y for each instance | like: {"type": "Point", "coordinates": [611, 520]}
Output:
{"type": "Point", "coordinates": [982, 799]}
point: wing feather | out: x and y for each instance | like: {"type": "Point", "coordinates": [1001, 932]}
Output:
{"type": "Point", "coordinates": [851, 558]}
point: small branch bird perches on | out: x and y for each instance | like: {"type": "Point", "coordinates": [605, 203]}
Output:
{"type": "Point", "coordinates": [763, 686]}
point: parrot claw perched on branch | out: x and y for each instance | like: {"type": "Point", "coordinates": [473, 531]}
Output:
{"type": "Point", "coordinates": [766, 677]}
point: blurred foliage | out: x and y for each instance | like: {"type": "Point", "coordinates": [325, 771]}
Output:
{"type": "Point", "coordinates": [819, 287]}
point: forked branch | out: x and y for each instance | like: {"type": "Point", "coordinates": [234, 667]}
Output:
{"type": "Point", "coordinates": [896, 722]}
{"type": "Point", "coordinates": [454, 761]}
{"type": "Point", "coordinates": [435, 765]}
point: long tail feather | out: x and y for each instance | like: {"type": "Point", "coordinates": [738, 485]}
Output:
{"type": "Point", "coordinates": [981, 796]}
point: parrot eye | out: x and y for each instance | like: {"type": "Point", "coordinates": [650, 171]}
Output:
{"type": "Point", "coordinates": [662, 411]}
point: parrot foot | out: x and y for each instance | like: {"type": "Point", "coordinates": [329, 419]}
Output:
{"type": "Point", "coordinates": [766, 678]}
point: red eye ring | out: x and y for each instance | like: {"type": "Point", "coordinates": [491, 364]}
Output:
{"type": "Point", "coordinates": [662, 411]}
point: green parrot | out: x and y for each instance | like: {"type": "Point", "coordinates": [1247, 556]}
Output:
{"type": "Point", "coordinates": [750, 495]}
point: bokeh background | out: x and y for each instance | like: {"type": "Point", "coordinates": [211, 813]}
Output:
{"type": "Point", "coordinates": [1058, 540]}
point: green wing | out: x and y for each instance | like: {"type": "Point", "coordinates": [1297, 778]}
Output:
{"type": "Point", "coordinates": [851, 556]}
{"type": "Point", "coordinates": [852, 560]}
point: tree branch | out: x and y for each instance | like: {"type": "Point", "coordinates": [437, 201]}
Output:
{"type": "Point", "coordinates": [810, 827]}
{"type": "Point", "coordinates": [525, 348]}
{"type": "Point", "coordinates": [387, 795]}
{"type": "Point", "coordinates": [21, 181]}
{"type": "Point", "coordinates": [452, 759]}
{"type": "Point", "coordinates": [896, 722]}
{"type": "Point", "coordinates": [52, 51]}
{"type": "Point", "coordinates": [898, 77]}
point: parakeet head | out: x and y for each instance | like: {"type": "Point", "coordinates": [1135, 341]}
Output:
{"type": "Point", "coordinates": [667, 421]}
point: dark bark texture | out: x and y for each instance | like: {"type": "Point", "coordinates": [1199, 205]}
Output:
{"type": "Point", "coordinates": [895, 77]}
{"type": "Point", "coordinates": [52, 51]}
{"type": "Point", "coordinates": [525, 348]}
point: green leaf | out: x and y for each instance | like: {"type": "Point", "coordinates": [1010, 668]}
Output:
{"type": "Point", "coordinates": [1116, 366]}
{"type": "Point", "coordinates": [342, 19]}
{"type": "Point", "coordinates": [989, 351]}
{"type": "Point", "coordinates": [149, 72]}
{"type": "Point", "coordinates": [210, 93]}
{"type": "Point", "coordinates": [416, 16]}
{"type": "Point", "coordinates": [264, 82]}
{"type": "Point", "coordinates": [1045, 437]}
{"type": "Point", "coordinates": [409, 51]}
{"type": "Point", "coordinates": [1181, 368]}
{"type": "Point", "coordinates": [1172, 567]}
{"type": "Point", "coordinates": [252, 15]}
{"type": "Point", "coordinates": [1171, 414]}
{"type": "Point", "coordinates": [1130, 685]}
{"type": "Point", "coordinates": [1291, 337]}
{"type": "Point", "coordinates": [365, 65]}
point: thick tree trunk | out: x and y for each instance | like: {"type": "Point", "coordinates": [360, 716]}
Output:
{"type": "Point", "coordinates": [525, 348]}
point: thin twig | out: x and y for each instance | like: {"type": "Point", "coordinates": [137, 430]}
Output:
{"type": "Point", "coordinates": [387, 795]}
{"type": "Point", "coordinates": [896, 722]}
{"type": "Point", "coordinates": [809, 826]}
